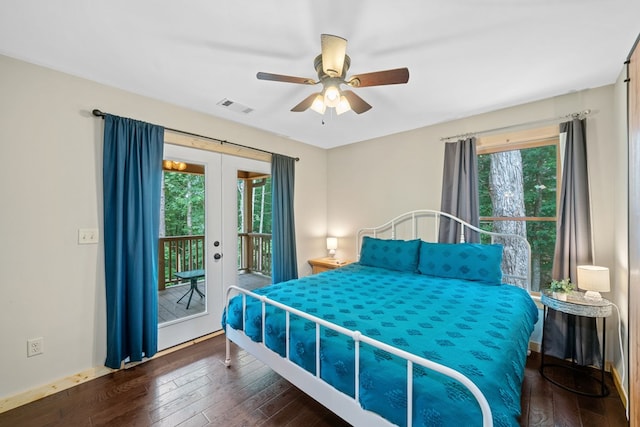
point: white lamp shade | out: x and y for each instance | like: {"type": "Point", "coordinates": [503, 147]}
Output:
{"type": "Point", "coordinates": [593, 278]}
{"type": "Point", "coordinates": [331, 96]}
{"type": "Point", "coordinates": [332, 243]}
{"type": "Point", "coordinates": [318, 104]}
{"type": "Point", "coordinates": [343, 106]}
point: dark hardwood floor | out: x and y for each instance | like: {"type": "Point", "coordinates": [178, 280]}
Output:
{"type": "Point", "coordinates": [192, 387]}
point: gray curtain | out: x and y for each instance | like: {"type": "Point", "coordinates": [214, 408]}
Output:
{"type": "Point", "coordinates": [573, 248]}
{"type": "Point", "coordinates": [460, 190]}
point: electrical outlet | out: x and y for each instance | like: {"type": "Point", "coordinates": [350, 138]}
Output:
{"type": "Point", "coordinates": [88, 236]}
{"type": "Point", "coordinates": [35, 346]}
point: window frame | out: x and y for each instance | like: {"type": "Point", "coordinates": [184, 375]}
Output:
{"type": "Point", "coordinates": [519, 140]}
{"type": "Point", "coordinates": [530, 138]}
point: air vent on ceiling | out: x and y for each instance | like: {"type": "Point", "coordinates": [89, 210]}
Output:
{"type": "Point", "coordinates": [234, 106]}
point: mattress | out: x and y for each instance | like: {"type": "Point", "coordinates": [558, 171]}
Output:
{"type": "Point", "coordinates": [481, 330]}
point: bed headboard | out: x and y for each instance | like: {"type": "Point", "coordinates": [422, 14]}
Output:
{"type": "Point", "coordinates": [424, 224]}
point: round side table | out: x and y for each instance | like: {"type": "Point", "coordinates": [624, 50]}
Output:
{"type": "Point", "coordinates": [576, 305]}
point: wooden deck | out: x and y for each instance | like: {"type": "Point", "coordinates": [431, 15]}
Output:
{"type": "Point", "coordinates": [170, 309]}
{"type": "Point", "coordinates": [252, 281]}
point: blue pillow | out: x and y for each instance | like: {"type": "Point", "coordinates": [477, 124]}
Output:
{"type": "Point", "coordinates": [469, 261]}
{"type": "Point", "coordinates": [399, 255]}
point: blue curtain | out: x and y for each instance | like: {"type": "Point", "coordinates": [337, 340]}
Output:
{"type": "Point", "coordinates": [460, 190]}
{"type": "Point", "coordinates": [132, 174]}
{"type": "Point", "coordinates": [284, 262]}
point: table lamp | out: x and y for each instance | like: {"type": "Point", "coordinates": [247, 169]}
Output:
{"type": "Point", "coordinates": [332, 245]}
{"type": "Point", "coordinates": [593, 280]}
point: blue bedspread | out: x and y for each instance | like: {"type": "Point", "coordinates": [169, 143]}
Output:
{"type": "Point", "coordinates": [478, 329]}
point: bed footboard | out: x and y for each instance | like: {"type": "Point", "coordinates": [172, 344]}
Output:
{"type": "Point", "coordinates": [347, 407]}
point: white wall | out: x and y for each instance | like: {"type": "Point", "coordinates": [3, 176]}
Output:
{"type": "Point", "coordinates": [373, 181]}
{"type": "Point", "coordinates": [52, 186]}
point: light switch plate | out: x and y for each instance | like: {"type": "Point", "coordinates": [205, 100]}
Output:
{"type": "Point", "coordinates": [88, 236]}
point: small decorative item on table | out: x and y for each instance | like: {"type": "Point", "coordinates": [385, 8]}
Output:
{"type": "Point", "coordinates": [560, 288]}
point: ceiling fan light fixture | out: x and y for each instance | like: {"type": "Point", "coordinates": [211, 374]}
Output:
{"type": "Point", "coordinates": [332, 66]}
{"type": "Point", "coordinates": [331, 96]}
{"type": "Point", "coordinates": [343, 106]}
{"type": "Point", "coordinates": [318, 104]}
{"type": "Point", "coordinates": [334, 49]}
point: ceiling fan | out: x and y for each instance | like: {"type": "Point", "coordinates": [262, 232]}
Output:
{"type": "Point", "coordinates": [332, 66]}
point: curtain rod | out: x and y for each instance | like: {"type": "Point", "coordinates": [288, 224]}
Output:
{"type": "Point", "coordinates": [101, 114]}
{"type": "Point", "coordinates": [578, 115]}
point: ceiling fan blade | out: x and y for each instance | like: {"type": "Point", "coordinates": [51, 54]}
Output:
{"type": "Point", "coordinates": [378, 78]}
{"type": "Point", "coordinates": [285, 79]}
{"type": "Point", "coordinates": [334, 49]}
{"type": "Point", "coordinates": [306, 103]}
{"type": "Point", "coordinates": [356, 103]}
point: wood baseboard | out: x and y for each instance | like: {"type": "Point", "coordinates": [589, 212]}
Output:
{"type": "Point", "coordinates": [52, 388]}
{"type": "Point", "coordinates": [619, 386]}
{"type": "Point", "coordinates": [34, 394]}
{"type": "Point", "coordinates": [534, 346]}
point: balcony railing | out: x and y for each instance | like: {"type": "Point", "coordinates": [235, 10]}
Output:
{"type": "Point", "coordinates": [178, 253]}
{"type": "Point", "coordinates": [183, 253]}
{"type": "Point", "coordinates": [254, 253]}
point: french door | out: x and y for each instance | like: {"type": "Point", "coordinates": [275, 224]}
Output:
{"type": "Point", "coordinates": [220, 246]}
{"type": "Point", "coordinates": [197, 312]}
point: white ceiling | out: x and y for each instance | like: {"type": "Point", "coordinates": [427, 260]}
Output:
{"type": "Point", "coordinates": [464, 56]}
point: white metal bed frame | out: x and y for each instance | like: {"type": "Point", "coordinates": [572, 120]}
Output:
{"type": "Point", "coordinates": [343, 405]}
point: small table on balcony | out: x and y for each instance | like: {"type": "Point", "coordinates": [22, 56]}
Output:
{"type": "Point", "coordinates": [193, 276]}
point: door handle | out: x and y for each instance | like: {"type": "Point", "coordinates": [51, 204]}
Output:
{"type": "Point", "coordinates": [217, 256]}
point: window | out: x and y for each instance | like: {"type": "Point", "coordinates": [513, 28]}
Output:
{"type": "Point", "coordinates": [519, 179]}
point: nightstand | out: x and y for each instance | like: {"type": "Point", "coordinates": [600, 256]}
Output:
{"type": "Point", "coordinates": [318, 265]}
{"type": "Point", "coordinates": [576, 305]}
